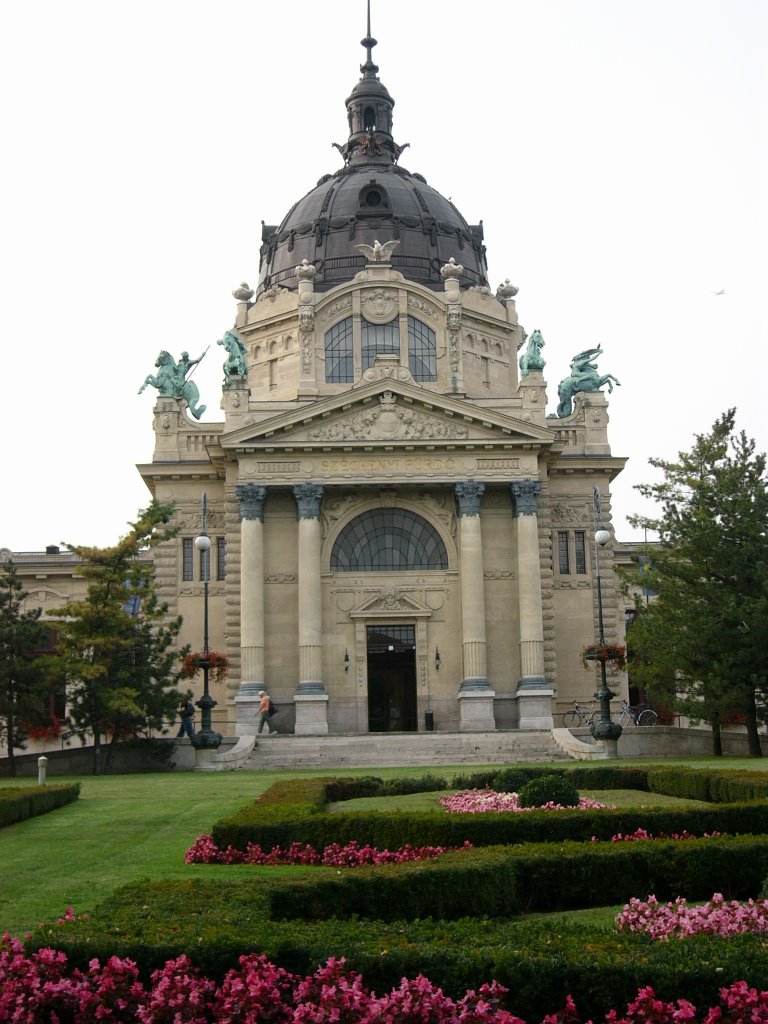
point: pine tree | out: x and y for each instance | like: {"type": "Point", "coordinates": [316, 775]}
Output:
{"type": "Point", "coordinates": [117, 646]}
{"type": "Point", "coordinates": [24, 681]}
{"type": "Point", "coordinates": [701, 642]}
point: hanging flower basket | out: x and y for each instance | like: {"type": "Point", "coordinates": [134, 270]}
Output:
{"type": "Point", "coordinates": [218, 665]}
{"type": "Point", "coordinates": [614, 655]}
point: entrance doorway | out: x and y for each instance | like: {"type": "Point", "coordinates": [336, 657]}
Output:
{"type": "Point", "coordinates": [391, 678]}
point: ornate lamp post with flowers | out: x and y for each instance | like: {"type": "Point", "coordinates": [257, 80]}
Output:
{"type": "Point", "coordinates": [603, 728]}
{"type": "Point", "coordinates": [206, 738]}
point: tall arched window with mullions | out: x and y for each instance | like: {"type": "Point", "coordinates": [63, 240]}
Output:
{"type": "Point", "coordinates": [339, 362]}
{"type": "Point", "coordinates": [387, 540]}
{"type": "Point", "coordinates": [422, 350]}
{"type": "Point", "coordinates": [379, 340]}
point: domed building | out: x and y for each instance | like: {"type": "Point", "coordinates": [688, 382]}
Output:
{"type": "Point", "coordinates": [402, 539]}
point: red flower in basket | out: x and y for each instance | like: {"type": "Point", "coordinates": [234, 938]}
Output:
{"type": "Point", "coordinates": [218, 665]}
{"type": "Point", "coordinates": [614, 655]}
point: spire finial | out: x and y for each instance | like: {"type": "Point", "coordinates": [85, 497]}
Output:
{"type": "Point", "coordinates": [368, 69]}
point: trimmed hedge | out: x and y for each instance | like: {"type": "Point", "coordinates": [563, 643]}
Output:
{"type": "Point", "coordinates": [18, 804]}
{"type": "Point", "coordinates": [292, 811]}
{"type": "Point", "coordinates": [214, 922]}
{"type": "Point", "coordinates": [506, 881]}
{"type": "Point", "coordinates": [270, 827]}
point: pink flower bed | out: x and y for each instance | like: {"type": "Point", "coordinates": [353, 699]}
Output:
{"type": "Point", "coordinates": [41, 987]}
{"type": "Point", "coordinates": [642, 835]}
{"type": "Point", "coordinates": [717, 917]}
{"type": "Point", "coordinates": [205, 851]}
{"type": "Point", "coordinates": [481, 801]}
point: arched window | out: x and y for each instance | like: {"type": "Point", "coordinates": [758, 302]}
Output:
{"type": "Point", "coordinates": [339, 367]}
{"type": "Point", "coordinates": [388, 539]}
{"type": "Point", "coordinates": [379, 340]}
{"type": "Point", "coordinates": [422, 350]}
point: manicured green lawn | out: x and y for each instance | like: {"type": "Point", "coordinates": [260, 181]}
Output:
{"type": "Point", "coordinates": [128, 827]}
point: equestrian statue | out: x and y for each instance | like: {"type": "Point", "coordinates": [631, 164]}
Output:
{"type": "Point", "coordinates": [532, 358]}
{"type": "Point", "coordinates": [171, 380]}
{"type": "Point", "coordinates": [236, 364]}
{"type": "Point", "coordinates": [584, 377]}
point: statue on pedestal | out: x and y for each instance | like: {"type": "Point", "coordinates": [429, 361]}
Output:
{"type": "Point", "coordinates": [236, 364]}
{"type": "Point", "coordinates": [171, 380]}
{"type": "Point", "coordinates": [584, 377]}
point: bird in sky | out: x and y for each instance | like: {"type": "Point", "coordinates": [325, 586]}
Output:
{"type": "Point", "coordinates": [721, 292]}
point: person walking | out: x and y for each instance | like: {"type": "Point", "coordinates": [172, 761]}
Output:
{"type": "Point", "coordinates": [187, 720]}
{"type": "Point", "coordinates": [264, 703]}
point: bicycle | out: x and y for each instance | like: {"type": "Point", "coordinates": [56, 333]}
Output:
{"type": "Point", "coordinates": [579, 715]}
{"type": "Point", "coordinates": [641, 715]}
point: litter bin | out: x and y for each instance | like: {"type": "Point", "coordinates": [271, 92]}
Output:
{"type": "Point", "coordinates": [429, 721]}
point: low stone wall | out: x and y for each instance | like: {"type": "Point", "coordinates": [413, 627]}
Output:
{"type": "Point", "coordinates": [670, 741]}
{"type": "Point", "coordinates": [128, 758]}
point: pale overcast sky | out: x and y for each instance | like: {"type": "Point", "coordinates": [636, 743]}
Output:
{"type": "Point", "coordinates": [615, 150]}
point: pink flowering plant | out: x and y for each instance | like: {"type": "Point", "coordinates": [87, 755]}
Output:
{"type": "Point", "coordinates": [483, 801]}
{"type": "Point", "coordinates": [205, 851]}
{"type": "Point", "coordinates": [42, 988]}
{"type": "Point", "coordinates": [641, 835]}
{"type": "Point", "coordinates": [716, 917]}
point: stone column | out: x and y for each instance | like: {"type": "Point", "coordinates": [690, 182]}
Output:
{"type": "Point", "coordinates": [475, 695]}
{"type": "Point", "coordinates": [251, 498]}
{"type": "Point", "coordinates": [311, 699]}
{"type": "Point", "coordinates": [534, 697]}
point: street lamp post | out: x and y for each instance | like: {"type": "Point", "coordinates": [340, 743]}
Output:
{"type": "Point", "coordinates": [206, 738]}
{"type": "Point", "coordinates": [603, 728]}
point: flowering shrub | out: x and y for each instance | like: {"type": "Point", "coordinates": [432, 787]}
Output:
{"type": "Point", "coordinates": [42, 987]}
{"type": "Point", "coordinates": [614, 655]}
{"type": "Point", "coordinates": [480, 801]}
{"type": "Point", "coordinates": [48, 731]}
{"type": "Point", "coordinates": [642, 835]}
{"type": "Point", "coordinates": [205, 851]}
{"type": "Point", "coordinates": [218, 665]}
{"type": "Point", "coordinates": [717, 917]}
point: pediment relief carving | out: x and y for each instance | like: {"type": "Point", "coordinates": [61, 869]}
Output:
{"type": "Point", "coordinates": [389, 420]}
{"type": "Point", "coordinates": [390, 601]}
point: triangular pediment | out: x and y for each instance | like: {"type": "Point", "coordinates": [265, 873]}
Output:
{"type": "Point", "coordinates": [390, 602]}
{"type": "Point", "coordinates": [387, 412]}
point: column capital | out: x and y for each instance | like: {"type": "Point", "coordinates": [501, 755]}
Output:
{"type": "Point", "coordinates": [251, 498]}
{"type": "Point", "coordinates": [309, 497]}
{"type": "Point", "coordinates": [468, 495]}
{"type": "Point", "coordinates": [524, 496]}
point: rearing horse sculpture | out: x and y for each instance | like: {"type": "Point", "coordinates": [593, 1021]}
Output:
{"type": "Point", "coordinates": [171, 380]}
{"type": "Point", "coordinates": [584, 377]}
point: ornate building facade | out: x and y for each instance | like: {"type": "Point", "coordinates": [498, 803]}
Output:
{"type": "Point", "coordinates": [402, 538]}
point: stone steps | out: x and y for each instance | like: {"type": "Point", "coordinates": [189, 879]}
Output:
{"type": "Point", "coordinates": [403, 750]}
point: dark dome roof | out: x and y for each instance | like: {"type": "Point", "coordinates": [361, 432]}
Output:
{"type": "Point", "coordinates": [371, 198]}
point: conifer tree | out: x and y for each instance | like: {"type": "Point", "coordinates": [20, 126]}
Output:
{"type": "Point", "coordinates": [24, 681]}
{"type": "Point", "coordinates": [117, 645]}
{"type": "Point", "coordinates": [702, 642]}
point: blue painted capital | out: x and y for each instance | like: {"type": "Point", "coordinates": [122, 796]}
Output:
{"type": "Point", "coordinates": [468, 495]}
{"type": "Point", "coordinates": [251, 498]}
{"type": "Point", "coordinates": [309, 498]}
{"type": "Point", "coordinates": [524, 496]}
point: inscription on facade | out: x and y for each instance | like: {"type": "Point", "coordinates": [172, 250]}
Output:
{"type": "Point", "coordinates": [505, 464]}
{"type": "Point", "coordinates": [405, 465]}
{"type": "Point", "coordinates": [278, 467]}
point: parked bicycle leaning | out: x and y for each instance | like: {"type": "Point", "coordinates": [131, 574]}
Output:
{"type": "Point", "coordinates": [640, 715]}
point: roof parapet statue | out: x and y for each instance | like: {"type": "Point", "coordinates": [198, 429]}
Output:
{"type": "Point", "coordinates": [171, 380]}
{"type": "Point", "coordinates": [378, 253]}
{"type": "Point", "coordinates": [532, 358]}
{"type": "Point", "coordinates": [583, 377]}
{"type": "Point", "coordinates": [236, 363]}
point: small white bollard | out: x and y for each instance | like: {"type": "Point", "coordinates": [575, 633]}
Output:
{"type": "Point", "coordinates": [42, 767]}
